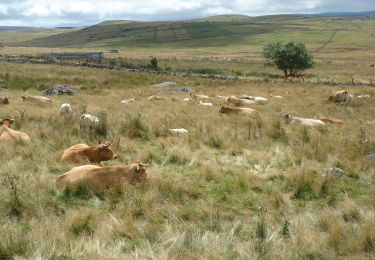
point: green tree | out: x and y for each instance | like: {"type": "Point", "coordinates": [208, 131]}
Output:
{"type": "Point", "coordinates": [292, 58]}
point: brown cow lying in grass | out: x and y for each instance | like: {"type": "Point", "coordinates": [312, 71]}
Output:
{"type": "Point", "coordinates": [82, 153]}
{"type": "Point", "coordinates": [37, 100]}
{"type": "Point", "coordinates": [100, 178]}
{"type": "Point", "coordinates": [237, 110]}
{"type": "Point", "coordinates": [194, 95]}
{"type": "Point", "coordinates": [239, 102]}
{"type": "Point", "coordinates": [4, 101]}
{"type": "Point", "coordinates": [153, 98]}
{"type": "Point", "coordinates": [8, 134]}
{"type": "Point", "coordinates": [340, 96]}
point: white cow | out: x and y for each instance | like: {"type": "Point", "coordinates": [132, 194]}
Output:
{"type": "Point", "coordinates": [363, 96]}
{"type": "Point", "coordinates": [224, 98]}
{"type": "Point", "coordinates": [187, 100]}
{"type": "Point", "coordinates": [88, 122]}
{"type": "Point", "coordinates": [178, 130]}
{"type": "Point", "coordinates": [65, 109]}
{"type": "Point", "coordinates": [205, 104]}
{"type": "Point", "coordinates": [273, 96]}
{"type": "Point", "coordinates": [303, 121]}
{"type": "Point", "coordinates": [255, 99]}
{"type": "Point", "coordinates": [128, 101]}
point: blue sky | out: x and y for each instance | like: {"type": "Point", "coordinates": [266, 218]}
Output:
{"type": "Point", "coordinates": [48, 13]}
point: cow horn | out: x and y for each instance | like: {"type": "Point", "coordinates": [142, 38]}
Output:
{"type": "Point", "coordinates": [144, 164]}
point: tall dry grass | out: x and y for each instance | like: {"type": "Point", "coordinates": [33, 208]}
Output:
{"type": "Point", "coordinates": [234, 187]}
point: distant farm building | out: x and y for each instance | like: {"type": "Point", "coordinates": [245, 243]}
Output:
{"type": "Point", "coordinates": [88, 56]}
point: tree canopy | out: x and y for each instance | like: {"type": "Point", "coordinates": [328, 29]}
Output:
{"type": "Point", "coordinates": [292, 58]}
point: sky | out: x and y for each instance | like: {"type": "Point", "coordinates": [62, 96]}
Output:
{"type": "Point", "coordinates": [53, 13]}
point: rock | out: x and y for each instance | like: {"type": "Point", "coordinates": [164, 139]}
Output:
{"type": "Point", "coordinates": [166, 84]}
{"type": "Point", "coordinates": [334, 172]}
{"type": "Point", "coordinates": [370, 158]}
{"type": "Point", "coordinates": [61, 90]}
{"type": "Point", "coordinates": [180, 90]}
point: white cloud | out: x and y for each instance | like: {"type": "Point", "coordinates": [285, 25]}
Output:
{"type": "Point", "coordinates": [81, 12]}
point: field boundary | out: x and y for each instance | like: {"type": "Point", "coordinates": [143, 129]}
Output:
{"type": "Point", "coordinates": [327, 42]}
{"type": "Point", "coordinates": [142, 69]}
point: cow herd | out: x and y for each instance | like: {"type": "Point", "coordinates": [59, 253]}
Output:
{"type": "Point", "coordinates": [87, 159]}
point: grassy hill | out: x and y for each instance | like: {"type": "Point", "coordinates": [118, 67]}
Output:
{"type": "Point", "coordinates": [11, 34]}
{"type": "Point", "coordinates": [211, 31]}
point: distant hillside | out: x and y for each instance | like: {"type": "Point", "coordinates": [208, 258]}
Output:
{"type": "Point", "coordinates": [370, 14]}
{"type": "Point", "coordinates": [114, 22]}
{"type": "Point", "coordinates": [13, 28]}
{"type": "Point", "coordinates": [220, 30]}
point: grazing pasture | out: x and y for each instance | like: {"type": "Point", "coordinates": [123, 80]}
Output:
{"type": "Point", "coordinates": [233, 186]}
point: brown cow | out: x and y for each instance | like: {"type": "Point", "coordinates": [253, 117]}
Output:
{"type": "Point", "coordinates": [4, 101]}
{"type": "Point", "coordinates": [237, 110]}
{"type": "Point", "coordinates": [100, 178]}
{"type": "Point", "coordinates": [152, 98]}
{"type": "Point", "coordinates": [340, 96]}
{"type": "Point", "coordinates": [37, 99]}
{"type": "Point", "coordinates": [82, 153]}
{"type": "Point", "coordinates": [194, 95]}
{"type": "Point", "coordinates": [333, 121]}
{"type": "Point", "coordinates": [240, 102]}
{"type": "Point", "coordinates": [8, 134]}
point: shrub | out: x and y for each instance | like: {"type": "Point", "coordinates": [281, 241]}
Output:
{"type": "Point", "coordinates": [135, 127]}
{"type": "Point", "coordinates": [83, 223]}
{"type": "Point", "coordinates": [153, 63]}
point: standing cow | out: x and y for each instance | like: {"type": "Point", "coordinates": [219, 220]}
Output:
{"type": "Point", "coordinates": [65, 109]}
{"type": "Point", "coordinates": [88, 122]}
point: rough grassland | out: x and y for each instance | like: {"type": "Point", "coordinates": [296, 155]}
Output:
{"type": "Point", "coordinates": [234, 187]}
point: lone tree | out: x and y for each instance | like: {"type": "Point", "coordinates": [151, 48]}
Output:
{"type": "Point", "coordinates": [292, 58]}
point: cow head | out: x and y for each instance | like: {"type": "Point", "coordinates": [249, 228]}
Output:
{"type": "Point", "coordinates": [286, 118]}
{"type": "Point", "coordinates": [4, 100]}
{"type": "Point", "coordinates": [7, 122]}
{"type": "Point", "coordinates": [105, 151]}
{"type": "Point", "coordinates": [140, 171]}
{"type": "Point", "coordinates": [223, 109]}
